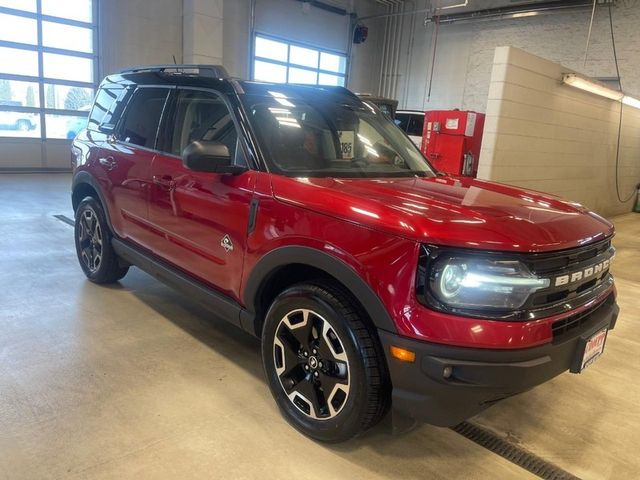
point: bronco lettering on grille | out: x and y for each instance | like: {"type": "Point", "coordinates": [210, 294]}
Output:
{"type": "Point", "coordinates": [582, 274]}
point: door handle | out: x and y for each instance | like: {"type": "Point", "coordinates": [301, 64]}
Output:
{"type": "Point", "coordinates": [109, 163]}
{"type": "Point", "coordinates": [164, 181]}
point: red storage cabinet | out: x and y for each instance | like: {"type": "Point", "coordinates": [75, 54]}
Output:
{"type": "Point", "coordinates": [451, 140]}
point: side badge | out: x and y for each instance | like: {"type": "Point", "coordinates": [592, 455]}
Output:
{"type": "Point", "coordinates": [226, 243]}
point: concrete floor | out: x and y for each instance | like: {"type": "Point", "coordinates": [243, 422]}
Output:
{"type": "Point", "coordinates": [135, 381]}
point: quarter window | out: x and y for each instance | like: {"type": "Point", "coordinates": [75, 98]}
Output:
{"type": "Point", "coordinates": [104, 113]}
{"type": "Point", "coordinates": [142, 118]}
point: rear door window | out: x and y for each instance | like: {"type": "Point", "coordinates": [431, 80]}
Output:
{"type": "Point", "coordinates": [142, 117]}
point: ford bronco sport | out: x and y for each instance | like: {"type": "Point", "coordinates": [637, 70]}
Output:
{"type": "Point", "coordinates": [307, 218]}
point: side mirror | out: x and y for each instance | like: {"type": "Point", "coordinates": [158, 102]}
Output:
{"type": "Point", "coordinates": [214, 157]}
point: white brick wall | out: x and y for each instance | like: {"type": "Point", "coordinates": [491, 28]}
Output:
{"type": "Point", "coordinates": [560, 37]}
{"type": "Point", "coordinates": [465, 53]}
{"type": "Point", "coordinates": [542, 135]}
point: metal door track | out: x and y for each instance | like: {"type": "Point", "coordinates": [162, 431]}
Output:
{"type": "Point", "coordinates": [511, 452]}
{"type": "Point", "coordinates": [65, 219]}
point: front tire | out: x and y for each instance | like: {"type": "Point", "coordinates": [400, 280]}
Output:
{"type": "Point", "coordinates": [324, 363]}
{"type": "Point", "coordinates": [98, 260]}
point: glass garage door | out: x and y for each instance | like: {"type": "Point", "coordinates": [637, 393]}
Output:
{"type": "Point", "coordinates": [47, 67]}
{"type": "Point", "coordinates": [280, 61]}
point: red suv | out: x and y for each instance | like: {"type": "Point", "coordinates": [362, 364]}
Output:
{"type": "Point", "coordinates": [307, 218]}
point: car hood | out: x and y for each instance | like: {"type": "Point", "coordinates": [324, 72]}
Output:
{"type": "Point", "coordinates": [453, 211]}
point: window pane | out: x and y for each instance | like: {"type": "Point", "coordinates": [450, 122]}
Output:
{"type": "Point", "coordinates": [57, 35]}
{"type": "Point", "coordinates": [143, 116]}
{"type": "Point", "coordinates": [333, 63]}
{"type": "Point", "coordinates": [68, 98]}
{"type": "Point", "coordinates": [19, 94]}
{"type": "Point", "coordinates": [269, 72]}
{"type": "Point", "coordinates": [297, 75]}
{"type": "Point", "coordinates": [415, 125]}
{"type": "Point", "coordinates": [271, 49]}
{"type": "Point", "coordinates": [18, 62]}
{"type": "Point", "coordinates": [66, 67]}
{"type": "Point", "coordinates": [104, 106]}
{"type": "Point", "coordinates": [80, 10]}
{"type": "Point", "coordinates": [18, 29]}
{"type": "Point", "coordinates": [326, 79]}
{"type": "Point", "coordinates": [202, 116]}
{"type": "Point", "coordinates": [19, 124]}
{"type": "Point", "coordinates": [304, 56]}
{"type": "Point", "coordinates": [64, 126]}
{"type": "Point", "coordinates": [26, 5]}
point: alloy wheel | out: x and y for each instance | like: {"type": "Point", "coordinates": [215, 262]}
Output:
{"type": "Point", "coordinates": [90, 239]}
{"type": "Point", "coordinates": [311, 363]}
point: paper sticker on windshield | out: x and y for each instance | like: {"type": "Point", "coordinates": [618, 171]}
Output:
{"type": "Point", "coordinates": [347, 143]}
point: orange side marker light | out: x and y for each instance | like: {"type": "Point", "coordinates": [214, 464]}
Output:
{"type": "Point", "coordinates": [402, 354]}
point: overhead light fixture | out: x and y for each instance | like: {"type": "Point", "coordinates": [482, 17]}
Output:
{"type": "Point", "coordinates": [457, 5]}
{"type": "Point", "coordinates": [525, 14]}
{"type": "Point", "coordinates": [632, 102]}
{"type": "Point", "coordinates": [588, 85]}
{"type": "Point", "coordinates": [592, 86]}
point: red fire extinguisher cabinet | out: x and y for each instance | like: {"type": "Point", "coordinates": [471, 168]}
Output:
{"type": "Point", "coordinates": [451, 140]}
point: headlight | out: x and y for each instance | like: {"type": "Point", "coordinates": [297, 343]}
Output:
{"type": "Point", "coordinates": [467, 282]}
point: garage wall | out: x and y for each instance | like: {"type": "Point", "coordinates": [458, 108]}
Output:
{"type": "Point", "coordinates": [292, 20]}
{"type": "Point", "coordinates": [303, 23]}
{"type": "Point", "coordinates": [236, 37]}
{"type": "Point", "coordinates": [138, 32]}
{"type": "Point", "coordinates": [465, 51]}
{"type": "Point", "coordinates": [364, 71]}
{"type": "Point", "coordinates": [542, 135]}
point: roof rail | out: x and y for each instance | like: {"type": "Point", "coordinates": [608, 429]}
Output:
{"type": "Point", "coordinates": [214, 71]}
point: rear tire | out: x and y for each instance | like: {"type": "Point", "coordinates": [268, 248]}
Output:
{"type": "Point", "coordinates": [324, 362]}
{"type": "Point", "coordinates": [98, 260]}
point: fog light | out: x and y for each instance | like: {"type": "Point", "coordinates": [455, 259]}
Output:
{"type": "Point", "coordinates": [447, 372]}
{"type": "Point", "coordinates": [402, 354]}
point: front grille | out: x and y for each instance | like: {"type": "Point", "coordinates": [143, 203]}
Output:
{"type": "Point", "coordinates": [545, 264]}
{"type": "Point", "coordinates": [565, 263]}
{"type": "Point", "coordinates": [560, 327]}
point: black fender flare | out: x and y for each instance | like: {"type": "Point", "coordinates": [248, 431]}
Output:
{"type": "Point", "coordinates": [83, 177]}
{"type": "Point", "coordinates": [283, 256]}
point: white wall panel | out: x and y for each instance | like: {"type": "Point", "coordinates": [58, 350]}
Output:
{"type": "Point", "coordinates": [138, 32]}
{"type": "Point", "coordinates": [546, 136]}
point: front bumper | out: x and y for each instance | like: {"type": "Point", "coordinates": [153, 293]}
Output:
{"type": "Point", "coordinates": [480, 377]}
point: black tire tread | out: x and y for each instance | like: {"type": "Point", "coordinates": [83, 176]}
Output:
{"type": "Point", "coordinates": [378, 398]}
{"type": "Point", "coordinates": [111, 270]}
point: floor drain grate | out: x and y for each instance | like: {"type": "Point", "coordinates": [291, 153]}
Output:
{"type": "Point", "coordinates": [65, 219]}
{"type": "Point", "coordinates": [513, 453]}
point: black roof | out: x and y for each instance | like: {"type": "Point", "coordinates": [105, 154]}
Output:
{"type": "Point", "coordinates": [229, 85]}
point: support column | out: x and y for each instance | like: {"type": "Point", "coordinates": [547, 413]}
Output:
{"type": "Point", "coordinates": [202, 22]}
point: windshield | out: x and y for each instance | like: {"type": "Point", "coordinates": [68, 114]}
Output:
{"type": "Point", "coordinates": [324, 137]}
